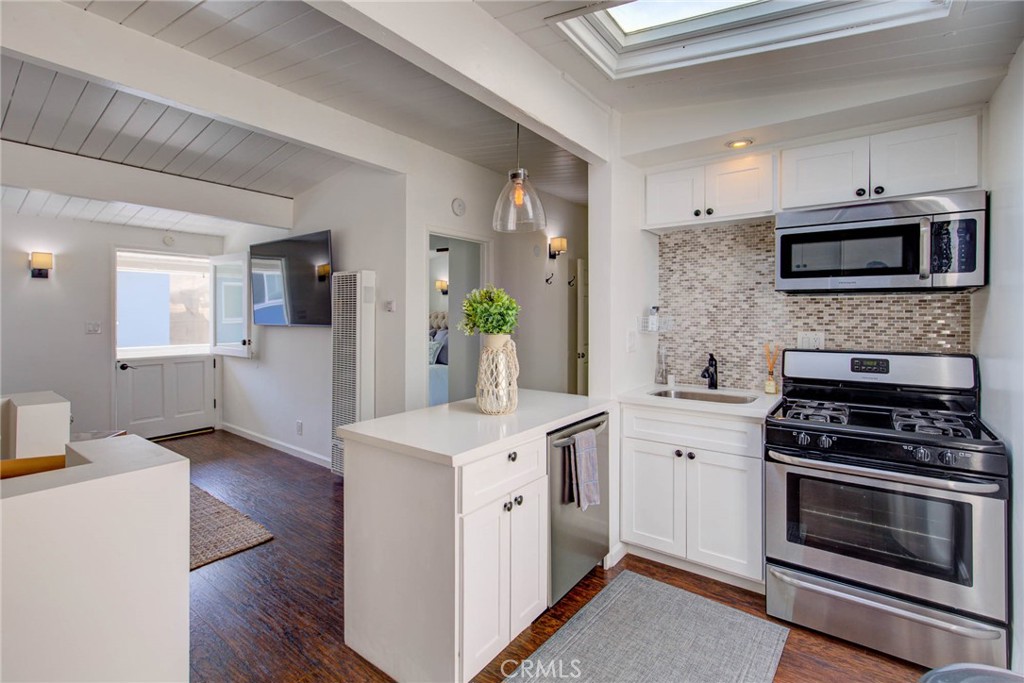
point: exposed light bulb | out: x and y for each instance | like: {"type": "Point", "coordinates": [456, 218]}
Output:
{"type": "Point", "coordinates": [518, 194]}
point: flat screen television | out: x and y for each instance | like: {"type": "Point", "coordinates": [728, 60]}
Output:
{"type": "Point", "coordinates": [291, 280]}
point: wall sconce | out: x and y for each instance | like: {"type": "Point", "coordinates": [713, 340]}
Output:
{"type": "Point", "coordinates": [323, 271]}
{"type": "Point", "coordinates": [557, 246]}
{"type": "Point", "coordinates": [441, 286]}
{"type": "Point", "coordinates": [41, 262]}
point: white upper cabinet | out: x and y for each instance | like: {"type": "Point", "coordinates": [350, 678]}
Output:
{"type": "Point", "coordinates": [735, 187]}
{"type": "Point", "coordinates": [931, 158]}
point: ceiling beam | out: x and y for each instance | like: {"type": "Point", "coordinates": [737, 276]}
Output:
{"type": "Point", "coordinates": [36, 168]}
{"type": "Point", "coordinates": [59, 35]}
{"type": "Point", "coordinates": [463, 45]}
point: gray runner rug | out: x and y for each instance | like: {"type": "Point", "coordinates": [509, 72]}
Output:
{"type": "Point", "coordinates": [219, 530]}
{"type": "Point", "coordinates": [638, 629]}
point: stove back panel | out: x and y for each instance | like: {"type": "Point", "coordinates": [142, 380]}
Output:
{"type": "Point", "coordinates": [896, 370]}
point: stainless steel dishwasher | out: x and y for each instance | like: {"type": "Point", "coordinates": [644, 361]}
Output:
{"type": "Point", "coordinates": [579, 540]}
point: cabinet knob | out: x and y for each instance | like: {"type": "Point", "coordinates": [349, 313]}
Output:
{"type": "Point", "coordinates": [696, 212]}
{"type": "Point", "coordinates": [879, 189]}
{"type": "Point", "coordinates": [861, 192]}
{"type": "Point", "coordinates": [507, 506]}
{"type": "Point", "coordinates": [679, 454]}
{"type": "Point", "coordinates": [518, 500]}
{"type": "Point", "coordinates": [710, 211]}
{"type": "Point", "coordinates": [691, 455]}
{"type": "Point", "coordinates": [512, 456]}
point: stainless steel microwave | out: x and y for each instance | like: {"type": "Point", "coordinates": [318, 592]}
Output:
{"type": "Point", "coordinates": [932, 242]}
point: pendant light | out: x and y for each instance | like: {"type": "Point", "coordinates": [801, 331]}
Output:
{"type": "Point", "coordinates": [518, 208]}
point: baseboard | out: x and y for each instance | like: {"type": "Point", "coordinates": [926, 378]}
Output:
{"type": "Point", "coordinates": [309, 456]}
{"type": "Point", "coordinates": [693, 568]}
{"type": "Point", "coordinates": [615, 555]}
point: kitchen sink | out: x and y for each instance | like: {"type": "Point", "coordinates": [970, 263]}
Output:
{"type": "Point", "coordinates": [703, 396]}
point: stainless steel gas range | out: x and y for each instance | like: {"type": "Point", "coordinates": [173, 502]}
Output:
{"type": "Point", "coordinates": [886, 506]}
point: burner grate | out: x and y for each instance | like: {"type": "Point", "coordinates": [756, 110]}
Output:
{"type": "Point", "coordinates": [819, 411]}
{"type": "Point", "coordinates": [931, 422]}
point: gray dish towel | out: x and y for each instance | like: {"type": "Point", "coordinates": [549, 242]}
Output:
{"type": "Point", "coordinates": [588, 486]}
{"type": "Point", "coordinates": [568, 482]}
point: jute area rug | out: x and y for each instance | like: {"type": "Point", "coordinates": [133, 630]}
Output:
{"type": "Point", "coordinates": [639, 629]}
{"type": "Point", "coordinates": [219, 530]}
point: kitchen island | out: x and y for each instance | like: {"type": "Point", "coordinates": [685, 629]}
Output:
{"type": "Point", "coordinates": [446, 531]}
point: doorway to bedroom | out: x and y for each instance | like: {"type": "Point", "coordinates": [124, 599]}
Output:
{"type": "Point", "coordinates": [455, 270]}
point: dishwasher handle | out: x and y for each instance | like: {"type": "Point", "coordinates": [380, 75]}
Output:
{"type": "Point", "coordinates": [598, 427]}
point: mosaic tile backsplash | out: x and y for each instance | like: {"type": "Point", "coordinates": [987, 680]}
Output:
{"type": "Point", "coordinates": [718, 284]}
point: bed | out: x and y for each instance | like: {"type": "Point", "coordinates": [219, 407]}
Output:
{"type": "Point", "coordinates": [437, 368]}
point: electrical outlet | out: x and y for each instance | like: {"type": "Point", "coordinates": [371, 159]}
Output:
{"type": "Point", "coordinates": [92, 328]}
{"type": "Point", "coordinates": [810, 340]}
{"type": "Point", "coordinates": [298, 427]}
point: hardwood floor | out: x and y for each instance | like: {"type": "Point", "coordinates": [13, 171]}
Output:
{"type": "Point", "coordinates": [274, 613]}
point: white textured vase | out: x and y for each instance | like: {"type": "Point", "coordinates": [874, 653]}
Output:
{"type": "Point", "coordinates": [496, 390]}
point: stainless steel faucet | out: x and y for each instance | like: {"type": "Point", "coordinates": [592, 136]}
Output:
{"type": "Point", "coordinates": [710, 372]}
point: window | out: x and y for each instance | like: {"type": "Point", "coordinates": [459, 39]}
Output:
{"type": "Point", "coordinates": [163, 304]}
{"type": "Point", "coordinates": [647, 36]}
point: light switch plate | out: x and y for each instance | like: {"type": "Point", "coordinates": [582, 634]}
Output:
{"type": "Point", "coordinates": [630, 341]}
{"type": "Point", "coordinates": [810, 340]}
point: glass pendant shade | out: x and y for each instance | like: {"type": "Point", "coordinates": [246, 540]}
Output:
{"type": "Point", "coordinates": [518, 208]}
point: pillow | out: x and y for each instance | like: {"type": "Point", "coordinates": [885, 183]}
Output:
{"type": "Point", "coordinates": [431, 333]}
{"type": "Point", "coordinates": [433, 349]}
{"type": "Point", "coordinates": [442, 356]}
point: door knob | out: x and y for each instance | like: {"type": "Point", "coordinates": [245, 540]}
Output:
{"type": "Point", "coordinates": [696, 212]}
{"type": "Point", "coordinates": [861, 192]}
{"type": "Point", "coordinates": [710, 211]}
{"type": "Point", "coordinates": [691, 455]}
{"type": "Point", "coordinates": [518, 500]}
{"type": "Point", "coordinates": [679, 454]}
{"type": "Point", "coordinates": [879, 189]}
{"type": "Point", "coordinates": [512, 456]}
{"type": "Point", "coordinates": [125, 366]}
{"type": "Point", "coordinates": [507, 506]}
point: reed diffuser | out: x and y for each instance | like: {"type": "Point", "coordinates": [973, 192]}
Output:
{"type": "Point", "coordinates": [771, 357]}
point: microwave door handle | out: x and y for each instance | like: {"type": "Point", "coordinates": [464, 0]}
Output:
{"type": "Point", "coordinates": [886, 475]}
{"type": "Point", "coordinates": [925, 271]}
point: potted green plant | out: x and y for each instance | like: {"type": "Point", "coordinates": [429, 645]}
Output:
{"type": "Point", "coordinates": [494, 314]}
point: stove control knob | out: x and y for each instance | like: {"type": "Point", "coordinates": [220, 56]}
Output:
{"type": "Point", "coordinates": [947, 458]}
{"type": "Point", "coordinates": [825, 442]}
{"type": "Point", "coordinates": [922, 454]}
{"type": "Point", "coordinates": [803, 439]}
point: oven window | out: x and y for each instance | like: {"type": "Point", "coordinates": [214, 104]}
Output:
{"type": "Point", "coordinates": [891, 250]}
{"type": "Point", "coordinates": [928, 536]}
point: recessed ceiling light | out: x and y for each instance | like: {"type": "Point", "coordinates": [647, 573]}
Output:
{"type": "Point", "coordinates": [739, 144]}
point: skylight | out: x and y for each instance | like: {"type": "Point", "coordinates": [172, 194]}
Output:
{"type": "Point", "coordinates": [647, 36]}
{"type": "Point", "coordinates": [644, 14]}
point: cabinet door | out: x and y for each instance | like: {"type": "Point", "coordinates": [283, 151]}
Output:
{"type": "Point", "coordinates": [739, 186]}
{"type": "Point", "coordinates": [529, 554]}
{"type": "Point", "coordinates": [672, 197]}
{"type": "Point", "coordinates": [723, 516]}
{"type": "Point", "coordinates": [939, 156]}
{"type": "Point", "coordinates": [653, 496]}
{"type": "Point", "coordinates": [825, 174]}
{"type": "Point", "coordinates": [485, 585]}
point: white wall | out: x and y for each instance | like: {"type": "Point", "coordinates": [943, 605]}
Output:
{"type": "Point", "coordinates": [42, 335]}
{"type": "Point", "coordinates": [998, 310]}
{"type": "Point", "coordinates": [546, 336]}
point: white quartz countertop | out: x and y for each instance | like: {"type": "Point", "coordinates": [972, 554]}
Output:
{"type": "Point", "coordinates": [458, 433]}
{"type": "Point", "coordinates": [757, 410]}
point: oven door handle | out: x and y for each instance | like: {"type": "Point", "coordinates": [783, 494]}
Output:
{"type": "Point", "coordinates": [975, 633]}
{"type": "Point", "coordinates": [925, 271]}
{"type": "Point", "coordinates": [887, 475]}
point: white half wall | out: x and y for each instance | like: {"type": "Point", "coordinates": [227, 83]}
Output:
{"type": "Point", "coordinates": [43, 344]}
{"type": "Point", "coordinates": [998, 310]}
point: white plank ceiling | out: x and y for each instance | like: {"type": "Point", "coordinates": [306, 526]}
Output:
{"type": "Point", "coordinates": [52, 205]}
{"type": "Point", "coordinates": [44, 108]}
{"type": "Point", "coordinates": [300, 49]}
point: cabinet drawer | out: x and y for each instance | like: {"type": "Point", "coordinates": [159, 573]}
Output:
{"type": "Point", "coordinates": [498, 474]}
{"type": "Point", "coordinates": [693, 429]}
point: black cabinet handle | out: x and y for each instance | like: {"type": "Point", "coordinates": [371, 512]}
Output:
{"type": "Point", "coordinates": [710, 211]}
{"type": "Point", "coordinates": [696, 212]}
{"type": "Point", "coordinates": [879, 189]}
{"type": "Point", "coordinates": [512, 456]}
{"type": "Point", "coordinates": [508, 506]}
{"type": "Point", "coordinates": [861, 192]}
{"type": "Point", "coordinates": [679, 454]}
{"type": "Point", "coordinates": [691, 455]}
{"type": "Point", "coordinates": [518, 500]}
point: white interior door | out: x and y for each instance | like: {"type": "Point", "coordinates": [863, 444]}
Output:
{"type": "Point", "coordinates": [160, 396]}
{"type": "Point", "coordinates": [582, 328]}
{"type": "Point", "coordinates": [229, 320]}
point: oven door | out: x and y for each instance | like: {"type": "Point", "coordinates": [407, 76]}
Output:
{"type": "Point", "coordinates": [938, 540]}
{"type": "Point", "coordinates": [884, 254]}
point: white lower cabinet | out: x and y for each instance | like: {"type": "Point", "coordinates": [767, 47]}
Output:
{"type": "Point", "coordinates": [693, 503]}
{"type": "Point", "coordinates": [504, 570]}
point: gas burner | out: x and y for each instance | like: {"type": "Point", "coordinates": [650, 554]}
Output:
{"type": "Point", "coordinates": [931, 422]}
{"type": "Point", "coordinates": [819, 411]}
